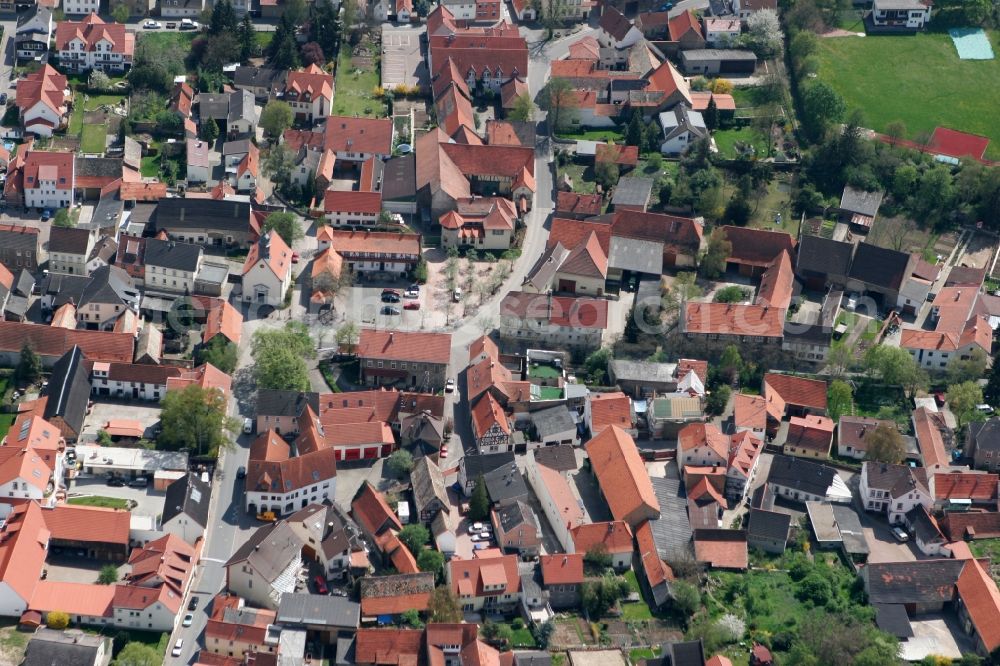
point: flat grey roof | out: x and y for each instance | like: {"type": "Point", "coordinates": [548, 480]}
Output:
{"type": "Point", "coordinates": [318, 610]}
{"type": "Point", "coordinates": [718, 54]}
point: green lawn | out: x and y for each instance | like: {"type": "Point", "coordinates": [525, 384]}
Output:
{"type": "Point", "coordinates": [633, 582]}
{"type": "Point", "coordinates": [99, 501]}
{"type": "Point", "coordinates": [726, 141]}
{"type": "Point", "coordinates": [264, 39]}
{"type": "Point", "coordinates": [593, 135]}
{"type": "Point", "coordinates": [6, 421]}
{"type": "Point", "coordinates": [550, 392]}
{"type": "Point", "coordinates": [177, 40]}
{"type": "Point", "coordinates": [638, 654]}
{"type": "Point", "coordinates": [354, 90]}
{"type": "Point", "coordinates": [635, 611]}
{"type": "Point", "coordinates": [542, 371]}
{"type": "Point", "coordinates": [150, 166]}
{"type": "Point", "coordinates": [581, 175]}
{"type": "Point", "coordinates": [94, 138]}
{"type": "Point", "coordinates": [986, 548]}
{"type": "Point", "coordinates": [522, 638]}
{"type": "Point", "coordinates": [877, 75]}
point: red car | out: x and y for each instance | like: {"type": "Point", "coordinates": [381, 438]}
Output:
{"type": "Point", "coordinates": [321, 585]}
{"type": "Point", "coordinates": [295, 257]}
{"type": "Point", "coordinates": [412, 305]}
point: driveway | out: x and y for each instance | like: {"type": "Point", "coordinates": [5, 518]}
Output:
{"type": "Point", "coordinates": [146, 413]}
{"type": "Point", "coordinates": [402, 62]}
{"type": "Point", "coordinates": [148, 502]}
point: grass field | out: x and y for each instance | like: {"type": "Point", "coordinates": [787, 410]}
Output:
{"type": "Point", "coordinates": [99, 501]}
{"type": "Point", "coordinates": [593, 135]}
{"type": "Point", "coordinates": [877, 75]}
{"type": "Point", "coordinates": [94, 138]}
{"type": "Point", "coordinates": [726, 140]}
{"type": "Point", "coordinates": [354, 90]}
{"type": "Point", "coordinates": [179, 40]}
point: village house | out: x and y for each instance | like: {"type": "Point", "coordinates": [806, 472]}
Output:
{"type": "Point", "coordinates": [622, 477]}
{"type": "Point", "coordinates": [549, 478]}
{"type": "Point", "coordinates": [309, 92]}
{"type": "Point", "coordinates": [372, 252]}
{"type": "Point", "coordinates": [482, 223]}
{"type": "Point", "coordinates": [489, 582]}
{"type": "Point", "coordinates": [218, 223]}
{"type": "Point", "coordinates": [266, 567]}
{"type": "Point", "coordinates": [267, 271]}
{"type": "Point", "coordinates": [413, 359]}
{"type": "Point", "coordinates": [530, 319]}
{"type": "Point", "coordinates": [234, 629]}
{"type": "Point", "coordinates": [983, 444]}
{"type": "Point", "coordinates": [281, 483]}
{"type": "Point", "coordinates": [171, 266]}
{"type": "Point", "coordinates": [809, 436]}
{"type": "Point", "coordinates": [33, 33]}
{"type": "Point", "coordinates": [41, 98]}
{"type": "Point", "coordinates": [49, 179]}
{"type": "Point", "coordinates": [853, 434]}
{"type": "Point", "coordinates": [613, 538]}
{"type": "Point", "coordinates": [562, 577]}
{"type": "Point", "coordinates": [94, 44]}
{"type": "Point", "coordinates": [893, 489]}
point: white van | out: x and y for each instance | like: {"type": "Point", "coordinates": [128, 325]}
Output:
{"type": "Point", "coordinates": [247, 425]}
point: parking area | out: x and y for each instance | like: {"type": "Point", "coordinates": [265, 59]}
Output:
{"type": "Point", "coordinates": [885, 547]}
{"type": "Point", "coordinates": [364, 304]}
{"type": "Point", "coordinates": [148, 502]}
{"type": "Point", "coordinates": [402, 63]}
{"type": "Point", "coordinates": [66, 567]}
{"type": "Point", "coordinates": [146, 413]}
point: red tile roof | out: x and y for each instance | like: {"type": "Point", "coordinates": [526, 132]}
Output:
{"type": "Point", "coordinates": [657, 571]}
{"type": "Point", "coordinates": [621, 473]}
{"type": "Point", "coordinates": [609, 409]}
{"type": "Point", "coordinates": [800, 391]}
{"type": "Point", "coordinates": [338, 201]}
{"type": "Point", "coordinates": [749, 411]}
{"type": "Point", "coordinates": [48, 341]}
{"type": "Point", "coordinates": [562, 569]}
{"type": "Point", "coordinates": [358, 135]}
{"type": "Point", "coordinates": [44, 166]}
{"type": "Point", "coordinates": [756, 247]}
{"type": "Point", "coordinates": [965, 485]}
{"type": "Point", "coordinates": [571, 233]}
{"type": "Point", "coordinates": [225, 319]}
{"type": "Point", "coordinates": [470, 577]}
{"type": "Point", "coordinates": [722, 549]}
{"type": "Point", "coordinates": [358, 242]}
{"type": "Point", "coordinates": [310, 83]}
{"type": "Point", "coordinates": [580, 204]}
{"type": "Point", "coordinates": [615, 536]}
{"type": "Point", "coordinates": [812, 433]}
{"type": "Point", "coordinates": [371, 510]}
{"type": "Point", "coordinates": [617, 154]}
{"type": "Point", "coordinates": [928, 427]}
{"type": "Point", "coordinates": [270, 250]}
{"type": "Point", "coordinates": [696, 435]}
{"type": "Point", "coordinates": [682, 24]}
{"type": "Point", "coordinates": [23, 549]}
{"type": "Point", "coordinates": [575, 312]}
{"type": "Point", "coordinates": [88, 599]}
{"type": "Point", "coordinates": [44, 85]}
{"type": "Point", "coordinates": [422, 347]}
{"type": "Point", "coordinates": [391, 595]}
{"type": "Point", "coordinates": [388, 647]}
{"type": "Point", "coordinates": [485, 414]}
{"type": "Point", "coordinates": [675, 232]}
{"type": "Point", "coordinates": [733, 319]}
{"type": "Point", "coordinates": [981, 601]}
{"type": "Point", "coordinates": [69, 522]}
{"type": "Point", "coordinates": [91, 31]}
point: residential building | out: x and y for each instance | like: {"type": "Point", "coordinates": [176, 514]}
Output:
{"type": "Point", "coordinates": [330, 538]}
{"type": "Point", "coordinates": [768, 530]}
{"type": "Point", "coordinates": [485, 56]}
{"type": "Point", "coordinates": [809, 436]}
{"type": "Point", "coordinates": [309, 92]}
{"type": "Point", "coordinates": [617, 31]}
{"type": "Point", "coordinates": [800, 480]}
{"type": "Point", "coordinates": [429, 492]}
{"type": "Point", "coordinates": [959, 330]}
{"type": "Point", "coordinates": [19, 248]}
{"type": "Point", "coordinates": [614, 538]}
{"type": "Point", "coordinates": [721, 32]}
{"type": "Point", "coordinates": [396, 594]}
{"type": "Point", "coordinates": [235, 630]}
{"type": "Point", "coordinates": [267, 271]}
{"type": "Point", "coordinates": [704, 445]}
{"type": "Point", "coordinates": [352, 209]}
{"type": "Point", "coordinates": [185, 508]}
{"type": "Point", "coordinates": [529, 319]}
{"type": "Point", "coordinates": [893, 489]}
{"type": "Point", "coordinates": [219, 223]}
{"type": "Point", "coordinates": [681, 128]}
{"type": "Point", "coordinates": [281, 410]}
{"type": "Point", "coordinates": [373, 514]}
{"type": "Point", "coordinates": [517, 529]}
{"type": "Point", "coordinates": [983, 444]}
{"type": "Point", "coordinates": [910, 14]}
{"type": "Point", "coordinates": [787, 395]}
{"type": "Point", "coordinates": [178, 9]}
{"type": "Point", "coordinates": [376, 252]}
{"type": "Point", "coordinates": [69, 249]}
{"type": "Point", "coordinates": [281, 483]}
{"type": "Point", "coordinates": [171, 266]}
{"type": "Point", "coordinates": [352, 139]}
{"type": "Point", "coordinates": [23, 557]}
{"type": "Point", "coordinates": [263, 82]}
{"type": "Point", "coordinates": [31, 460]}
{"type": "Point", "coordinates": [603, 410]}
{"type": "Point", "coordinates": [266, 567]}
{"type": "Point", "coordinates": [414, 359]}
{"type": "Point", "coordinates": [491, 428]}
{"type": "Point", "coordinates": [750, 414]}
{"type": "Point", "coordinates": [33, 33]}
{"type": "Point", "coordinates": [69, 647]}
{"type": "Point", "coordinates": [933, 436]}
{"type": "Point", "coordinates": [93, 44]}
{"type": "Point", "coordinates": [548, 475]}
{"type": "Point", "coordinates": [714, 62]}
{"type": "Point", "coordinates": [854, 433]}
{"type": "Point", "coordinates": [482, 223]}
{"type": "Point", "coordinates": [49, 179]}
{"type": "Point", "coordinates": [489, 582]}
{"type": "Point", "coordinates": [151, 594]}
{"type": "Point", "coordinates": [624, 482]}
{"type": "Point", "coordinates": [562, 577]}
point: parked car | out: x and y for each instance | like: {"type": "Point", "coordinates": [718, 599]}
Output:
{"type": "Point", "coordinates": [178, 648]}
{"type": "Point", "coordinates": [247, 425]}
{"type": "Point", "coordinates": [188, 620]}
{"type": "Point", "coordinates": [295, 257]}
{"type": "Point", "coordinates": [139, 482]}
{"type": "Point", "coordinates": [171, 25]}
{"type": "Point", "coordinates": [241, 473]}
{"type": "Point", "coordinates": [389, 290]}
{"type": "Point", "coordinates": [443, 451]}
{"type": "Point", "coordinates": [115, 482]}
{"type": "Point", "coordinates": [151, 25]}
{"type": "Point", "coordinates": [449, 386]}
{"type": "Point", "coordinates": [3, 99]}
{"type": "Point", "coordinates": [475, 527]}
{"type": "Point", "coordinates": [457, 294]}
{"type": "Point", "coordinates": [321, 585]}
{"type": "Point", "coordinates": [193, 604]}
{"type": "Point", "coordinates": [390, 311]}
{"type": "Point", "coordinates": [412, 305]}
{"type": "Point", "coordinates": [188, 24]}
{"type": "Point", "coordinates": [476, 538]}
{"type": "Point", "coordinates": [900, 534]}
{"type": "Point", "coordinates": [46, 215]}
{"type": "Point", "coordinates": [389, 297]}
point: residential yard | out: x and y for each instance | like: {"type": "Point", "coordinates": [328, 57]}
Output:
{"type": "Point", "coordinates": [12, 643]}
{"type": "Point", "coordinates": [354, 90]}
{"type": "Point", "coordinates": [100, 501]}
{"type": "Point", "coordinates": [582, 176]}
{"type": "Point", "coordinates": [6, 421]}
{"type": "Point", "coordinates": [776, 200]}
{"type": "Point", "coordinates": [175, 40]}
{"type": "Point", "coordinates": [609, 134]}
{"type": "Point", "coordinates": [94, 138]}
{"type": "Point", "coordinates": [942, 91]}
{"type": "Point", "coordinates": [728, 141]}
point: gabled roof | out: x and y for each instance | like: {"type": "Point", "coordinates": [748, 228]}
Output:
{"type": "Point", "coordinates": [926, 581]}
{"type": "Point", "coordinates": [956, 485]}
{"type": "Point", "coordinates": [981, 601]}
{"type": "Point", "coordinates": [696, 435]}
{"type": "Point", "coordinates": [879, 267]}
{"type": "Point", "coordinates": [270, 251]}
{"type": "Point", "coordinates": [621, 473]}
{"type": "Point", "coordinates": [615, 536]}
{"type": "Point", "coordinates": [91, 32]}
{"type": "Point", "coordinates": [812, 433]}
{"type": "Point", "coordinates": [614, 23]}
{"type": "Point", "coordinates": [682, 24]}
{"type": "Point", "coordinates": [781, 390]}
{"type": "Point", "coordinates": [749, 411]}
{"type": "Point", "coordinates": [45, 85]}
{"type": "Point", "coordinates": [372, 512]}
{"type": "Point", "coordinates": [586, 259]}
{"type": "Point", "coordinates": [471, 577]}
{"type": "Point", "coordinates": [392, 595]}
{"type": "Point", "coordinates": [609, 409]}
{"type": "Point", "coordinates": [388, 647]}
{"type": "Point", "coordinates": [358, 135]}
{"type": "Point", "coordinates": [562, 569]}
{"type": "Point", "coordinates": [188, 495]}
{"type": "Point", "coordinates": [928, 427]}
{"type": "Point", "coordinates": [722, 549]}
{"type": "Point", "coordinates": [757, 247]}
{"type": "Point", "coordinates": [309, 83]}
{"type": "Point", "coordinates": [823, 255]}
{"type": "Point", "coordinates": [423, 347]}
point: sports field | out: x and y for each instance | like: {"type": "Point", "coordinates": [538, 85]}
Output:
{"type": "Point", "coordinates": [918, 80]}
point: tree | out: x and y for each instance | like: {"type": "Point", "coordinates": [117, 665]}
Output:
{"type": "Point", "coordinates": [606, 174]}
{"type": "Point", "coordinates": [598, 556]}
{"type": "Point", "coordinates": [717, 400]}
{"type": "Point", "coordinates": [286, 224]}
{"type": "Point", "coordinates": [120, 13]}
{"type": "Point", "coordinates": [98, 80]}
{"type": "Point", "coordinates": [712, 115]}
{"type": "Point", "coordinates": [223, 19]}
{"type": "Point", "coordinates": [296, 11]}
{"type": "Point", "coordinates": [431, 561]}
{"type": "Point", "coordinates": [840, 399]}
{"type": "Point", "coordinates": [839, 359]}
{"type": "Point", "coordinates": [731, 294]}
{"type": "Point", "coordinates": [885, 444]}
{"type": "Point", "coordinates": [400, 463]}
{"type": "Point", "coordinates": [57, 619]}
{"type": "Point", "coordinates": [895, 366]}
{"type": "Point", "coordinates": [738, 211]}
{"type": "Point", "coordinates": [634, 132]}
{"type": "Point", "coordinates": [279, 357]}
{"type": "Point", "coordinates": [969, 369]}
{"type": "Point", "coordinates": [420, 271]}
{"type": "Point", "coordinates": [825, 639]}
{"type": "Point", "coordinates": [543, 633]}
{"type": "Point", "coordinates": [29, 366]}
{"type": "Point", "coordinates": [713, 261]}
{"type": "Point", "coordinates": [108, 575]}
{"type": "Point", "coordinates": [219, 52]}
{"type": "Point", "coordinates": [687, 598]}
{"type": "Point", "coordinates": [479, 503]}
{"type": "Point", "coordinates": [138, 654]}
{"type": "Point", "coordinates": [991, 394]}
{"type": "Point", "coordinates": [247, 37]}
{"type": "Point", "coordinates": [963, 399]}
{"type": "Point", "coordinates": [764, 33]}
{"type": "Point", "coordinates": [411, 617]}
{"type": "Point", "coordinates": [599, 596]}
{"type": "Point", "coordinates": [283, 52]}
{"type": "Point", "coordinates": [415, 536]}
{"type": "Point", "coordinates": [62, 218]}
{"type": "Point", "coordinates": [195, 418]}
{"type": "Point", "coordinates": [731, 363]}
{"type": "Point", "coordinates": [278, 163]}
{"type": "Point", "coordinates": [558, 99]}
{"type": "Point", "coordinates": [312, 54]}
{"type": "Point", "coordinates": [276, 117]}
{"type": "Point", "coordinates": [497, 633]}
{"type": "Point", "coordinates": [220, 352]}
{"type": "Point", "coordinates": [208, 131]}
{"type": "Point", "coordinates": [551, 13]}
{"type": "Point", "coordinates": [596, 365]}
{"type": "Point", "coordinates": [347, 336]}
{"type": "Point", "coordinates": [324, 26]}
{"type": "Point", "coordinates": [524, 108]}
{"type": "Point", "coordinates": [443, 606]}
{"type": "Point", "coordinates": [821, 106]}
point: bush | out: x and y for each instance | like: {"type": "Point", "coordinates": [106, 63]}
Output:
{"type": "Point", "coordinates": [57, 620]}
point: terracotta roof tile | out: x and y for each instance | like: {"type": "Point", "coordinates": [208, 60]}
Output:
{"type": "Point", "coordinates": [799, 391]}
{"type": "Point", "coordinates": [468, 577]}
{"type": "Point", "coordinates": [224, 319]}
{"type": "Point", "coordinates": [339, 201]}
{"type": "Point", "coordinates": [621, 474]}
{"type": "Point", "coordinates": [757, 247]}
{"type": "Point", "coordinates": [84, 523]}
{"type": "Point", "coordinates": [615, 536]}
{"type": "Point", "coordinates": [812, 433]}
{"type": "Point", "coordinates": [422, 347]}
{"type": "Point", "coordinates": [610, 409]}
{"type": "Point", "coordinates": [721, 549]}
{"type": "Point", "coordinates": [86, 599]}
{"type": "Point", "coordinates": [562, 569]}
{"type": "Point", "coordinates": [371, 510]}
{"type": "Point", "coordinates": [749, 412]}
{"type": "Point", "coordinates": [965, 485]}
{"type": "Point", "coordinates": [358, 135]}
{"type": "Point", "coordinates": [388, 647]}
{"type": "Point", "coordinates": [981, 601]}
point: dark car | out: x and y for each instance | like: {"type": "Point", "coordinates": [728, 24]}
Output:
{"type": "Point", "coordinates": [115, 482]}
{"type": "Point", "coordinates": [390, 298]}
{"type": "Point", "coordinates": [241, 473]}
{"type": "Point", "coordinates": [3, 99]}
{"type": "Point", "coordinates": [193, 604]}
{"type": "Point", "coordinates": [390, 311]}
{"type": "Point", "coordinates": [171, 25]}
